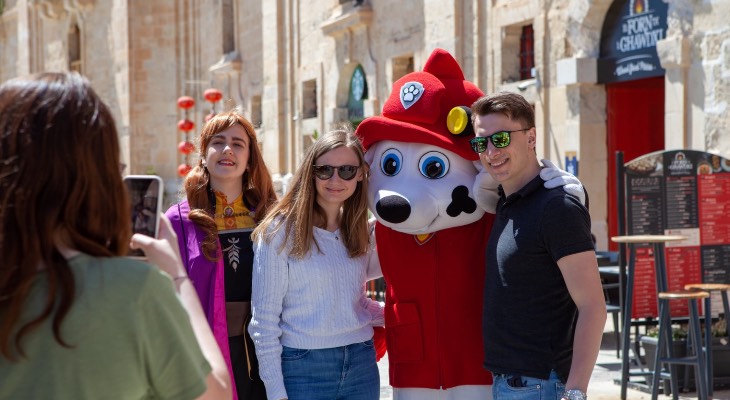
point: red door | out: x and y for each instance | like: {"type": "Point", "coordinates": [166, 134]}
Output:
{"type": "Point", "coordinates": [635, 125]}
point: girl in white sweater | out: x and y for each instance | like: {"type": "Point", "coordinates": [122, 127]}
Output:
{"type": "Point", "coordinates": [312, 323]}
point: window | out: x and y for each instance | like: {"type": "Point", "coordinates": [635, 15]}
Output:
{"type": "Point", "coordinates": [74, 49]}
{"type": "Point", "coordinates": [527, 52]}
{"type": "Point", "coordinates": [229, 31]}
{"type": "Point", "coordinates": [358, 92]}
{"type": "Point", "coordinates": [309, 99]}
{"type": "Point", "coordinates": [402, 66]}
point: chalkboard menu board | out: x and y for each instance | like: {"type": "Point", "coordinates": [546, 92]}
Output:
{"type": "Point", "coordinates": [679, 192]}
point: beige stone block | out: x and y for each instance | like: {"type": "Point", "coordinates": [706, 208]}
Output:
{"type": "Point", "coordinates": [515, 12]}
{"type": "Point", "coordinates": [593, 143]}
{"type": "Point", "coordinates": [571, 71]}
{"type": "Point", "coordinates": [674, 51]}
{"type": "Point", "coordinates": [711, 44]}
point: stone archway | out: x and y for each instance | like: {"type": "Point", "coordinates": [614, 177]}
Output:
{"type": "Point", "coordinates": [585, 117]}
{"type": "Point", "coordinates": [585, 21]}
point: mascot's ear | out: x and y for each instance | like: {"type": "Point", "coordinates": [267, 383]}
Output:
{"type": "Point", "coordinates": [459, 121]}
{"type": "Point", "coordinates": [369, 155]}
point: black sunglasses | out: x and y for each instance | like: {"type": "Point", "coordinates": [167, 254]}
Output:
{"type": "Point", "coordinates": [324, 172]}
{"type": "Point", "coordinates": [499, 139]}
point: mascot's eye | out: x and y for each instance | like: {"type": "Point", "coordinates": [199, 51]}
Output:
{"type": "Point", "coordinates": [433, 165]}
{"type": "Point", "coordinates": [391, 162]}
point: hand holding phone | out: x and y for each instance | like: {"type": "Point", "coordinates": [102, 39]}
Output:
{"type": "Point", "coordinates": [145, 199]}
{"type": "Point", "coordinates": [163, 251]}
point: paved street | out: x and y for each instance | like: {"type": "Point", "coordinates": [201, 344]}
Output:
{"type": "Point", "coordinates": [602, 386]}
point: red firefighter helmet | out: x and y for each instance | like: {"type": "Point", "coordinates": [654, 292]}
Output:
{"type": "Point", "coordinates": [431, 107]}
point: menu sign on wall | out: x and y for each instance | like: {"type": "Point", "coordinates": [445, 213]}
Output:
{"type": "Point", "coordinates": [684, 193]}
{"type": "Point", "coordinates": [630, 32]}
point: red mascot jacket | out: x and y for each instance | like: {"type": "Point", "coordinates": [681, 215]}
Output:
{"type": "Point", "coordinates": [444, 275]}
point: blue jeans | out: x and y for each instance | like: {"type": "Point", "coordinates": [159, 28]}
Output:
{"type": "Point", "coordinates": [510, 387]}
{"type": "Point", "coordinates": [339, 373]}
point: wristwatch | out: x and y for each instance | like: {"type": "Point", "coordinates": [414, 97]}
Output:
{"type": "Point", "coordinates": [575, 394]}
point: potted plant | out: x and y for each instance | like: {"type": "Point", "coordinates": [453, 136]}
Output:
{"type": "Point", "coordinates": [720, 351]}
{"type": "Point", "coordinates": [650, 340]}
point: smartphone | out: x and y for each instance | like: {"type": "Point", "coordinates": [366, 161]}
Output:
{"type": "Point", "coordinates": [145, 199]}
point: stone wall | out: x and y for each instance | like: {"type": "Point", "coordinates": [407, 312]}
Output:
{"type": "Point", "coordinates": [710, 76]}
{"type": "Point", "coordinates": [141, 56]}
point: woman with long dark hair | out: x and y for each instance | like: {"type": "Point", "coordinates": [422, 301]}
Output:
{"type": "Point", "coordinates": [77, 319]}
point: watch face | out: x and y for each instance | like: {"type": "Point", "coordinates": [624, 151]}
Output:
{"type": "Point", "coordinates": [357, 84]}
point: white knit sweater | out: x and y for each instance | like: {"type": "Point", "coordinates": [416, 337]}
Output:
{"type": "Point", "coordinates": [312, 303]}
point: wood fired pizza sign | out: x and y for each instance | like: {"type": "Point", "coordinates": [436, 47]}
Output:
{"type": "Point", "coordinates": [630, 33]}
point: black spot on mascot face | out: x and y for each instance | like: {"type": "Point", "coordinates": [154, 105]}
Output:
{"type": "Point", "coordinates": [461, 202]}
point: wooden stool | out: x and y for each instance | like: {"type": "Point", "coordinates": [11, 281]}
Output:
{"type": "Point", "coordinates": [665, 344]}
{"type": "Point", "coordinates": [711, 287]}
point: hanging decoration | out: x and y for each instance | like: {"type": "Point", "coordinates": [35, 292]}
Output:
{"type": "Point", "coordinates": [186, 125]}
{"type": "Point", "coordinates": [212, 96]}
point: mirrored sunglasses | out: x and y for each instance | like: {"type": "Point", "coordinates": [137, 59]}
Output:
{"type": "Point", "coordinates": [324, 172]}
{"type": "Point", "coordinates": [499, 139]}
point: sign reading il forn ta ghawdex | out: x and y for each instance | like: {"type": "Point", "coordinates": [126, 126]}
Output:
{"type": "Point", "coordinates": [628, 40]}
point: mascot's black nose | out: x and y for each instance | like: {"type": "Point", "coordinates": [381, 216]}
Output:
{"type": "Point", "coordinates": [460, 201]}
{"type": "Point", "coordinates": [393, 209]}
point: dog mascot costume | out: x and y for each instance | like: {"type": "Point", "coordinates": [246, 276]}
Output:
{"type": "Point", "coordinates": [431, 234]}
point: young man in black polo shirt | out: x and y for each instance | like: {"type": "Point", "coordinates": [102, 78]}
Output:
{"type": "Point", "coordinates": [544, 310]}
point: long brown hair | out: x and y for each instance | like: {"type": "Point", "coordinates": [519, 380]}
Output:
{"type": "Point", "coordinates": [298, 212]}
{"type": "Point", "coordinates": [60, 184]}
{"type": "Point", "coordinates": [258, 188]}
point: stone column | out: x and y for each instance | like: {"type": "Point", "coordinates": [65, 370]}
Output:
{"type": "Point", "coordinates": [274, 99]}
{"type": "Point", "coordinates": [585, 134]}
{"type": "Point", "coordinates": [674, 55]}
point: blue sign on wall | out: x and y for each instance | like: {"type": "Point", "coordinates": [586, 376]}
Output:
{"type": "Point", "coordinates": [571, 162]}
{"type": "Point", "coordinates": [628, 40]}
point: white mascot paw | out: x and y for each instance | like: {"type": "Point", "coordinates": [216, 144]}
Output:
{"type": "Point", "coordinates": [485, 190]}
{"type": "Point", "coordinates": [555, 177]}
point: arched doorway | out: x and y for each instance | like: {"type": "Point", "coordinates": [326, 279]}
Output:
{"type": "Point", "coordinates": [634, 125]}
{"type": "Point", "coordinates": [634, 78]}
{"type": "Point", "coordinates": [358, 93]}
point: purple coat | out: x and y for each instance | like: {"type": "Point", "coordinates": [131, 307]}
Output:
{"type": "Point", "coordinates": [207, 276]}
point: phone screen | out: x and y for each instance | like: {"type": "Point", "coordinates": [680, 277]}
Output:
{"type": "Point", "coordinates": [145, 198]}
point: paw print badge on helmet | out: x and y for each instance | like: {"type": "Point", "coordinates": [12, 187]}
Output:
{"type": "Point", "coordinates": [410, 93]}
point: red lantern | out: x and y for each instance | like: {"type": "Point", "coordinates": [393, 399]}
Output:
{"type": "Point", "coordinates": [186, 147]}
{"type": "Point", "coordinates": [183, 170]}
{"type": "Point", "coordinates": [213, 95]}
{"type": "Point", "coordinates": [185, 102]}
{"type": "Point", "coordinates": [209, 117]}
{"type": "Point", "coordinates": [185, 125]}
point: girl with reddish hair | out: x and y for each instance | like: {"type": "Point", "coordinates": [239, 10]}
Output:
{"type": "Point", "coordinates": [227, 193]}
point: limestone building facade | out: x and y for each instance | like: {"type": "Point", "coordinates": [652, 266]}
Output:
{"type": "Point", "coordinates": [297, 68]}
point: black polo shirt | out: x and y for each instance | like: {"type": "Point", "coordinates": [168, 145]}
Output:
{"type": "Point", "coordinates": [529, 316]}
